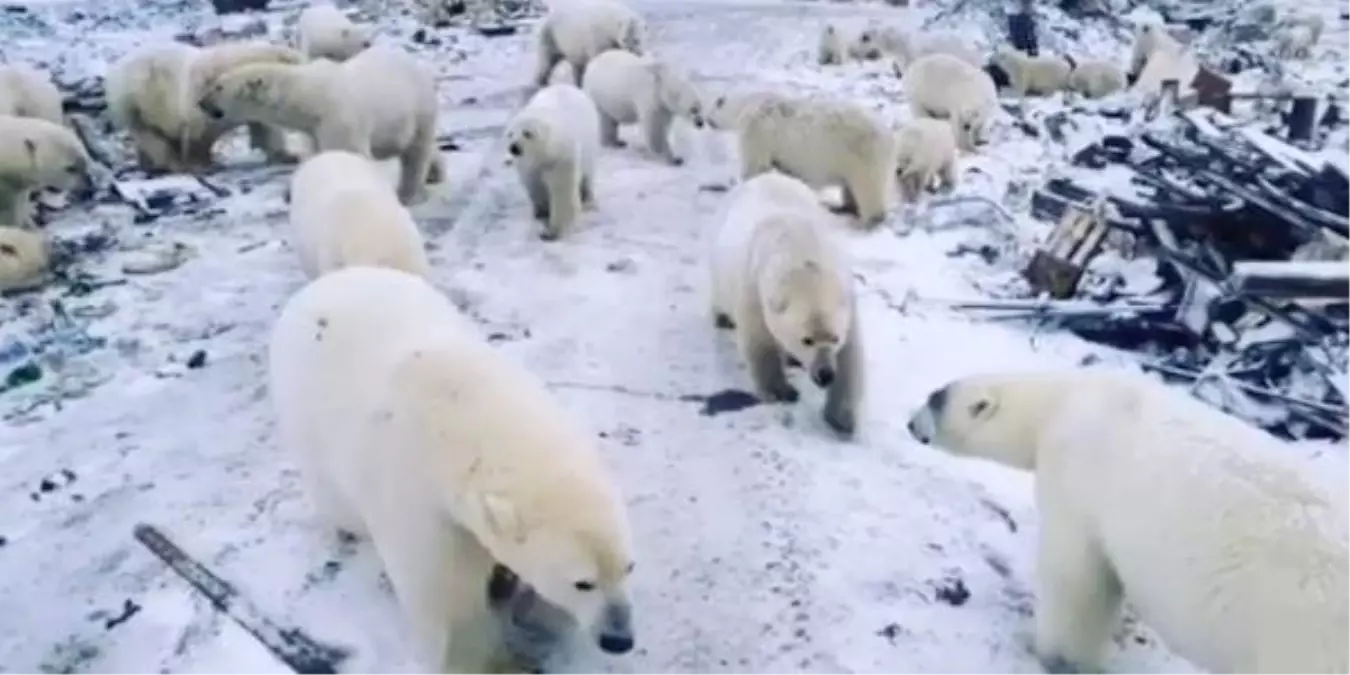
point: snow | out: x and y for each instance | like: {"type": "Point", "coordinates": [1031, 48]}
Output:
{"type": "Point", "coordinates": [764, 544]}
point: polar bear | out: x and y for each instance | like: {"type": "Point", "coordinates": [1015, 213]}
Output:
{"type": "Point", "coordinates": [1040, 75]}
{"type": "Point", "coordinates": [904, 47]}
{"type": "Point", "coordinates": [821, 141]}
{"type": "Point", "coordinates": [344, 212]}
{"type": "Point", "coordinates": [1150, 37]}
{"type": "Point", "coordinates": [152, 93]}
{"type": "Point", "coordinates": [1295, 41]}
{"type": "Point", "coordinates": [840, 43]}
{"type": "Point", "coordinates": [945, 87]}
{"type": "Point", "coordinates": [554, 141]}
{"type": "Point", "coordinates": [380, 103]}
{"type": "Point", "coordinates": [410, 428]}
{"type": "Point", "coordinates": [1235, 557]}
{"type": "Point", "coordinates": [580, 30]}
{"type": "Point", "coordinates": [782, 282]}
{"type": "Point", "coordinates": [36, 154]}
{"type": "Point", "coordinates": [25, 258]}
{"type": "Point", "coordinates": [28, 92]}
{"type": "Point", "coordinates": [1164, 65]}
{"type": "Point", "coordinates": [627, 88]}
{"type": "Point", "coordinates": [324, 32]}
{"type": "Point", "coordinates": [926, 152]}
{"type": "Point", "coordinates": [1095, 78]}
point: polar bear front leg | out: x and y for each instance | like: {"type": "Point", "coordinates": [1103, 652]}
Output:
{"type": "Point", "coordinates": [845, 393]}
{"type": "Point", "coordinates": [1078, 596]}
{"type": "Point", "coordinates": [14, 206]}
{"type": "Point", "coordinates": [563, 182]}
{"type": "Point", "coordinates": [154, 152]}
{"type": "Point", "coordinates": [532, 179]}
{"type": "Point", "coordinates": [656, 130]}
{"type": "Point", "coordinates": [756, 154]}
{"type": "Point", "coordinates": [762, 356]}
{"type": "Point", "coordinates": [865, 193]}
{"type": "Point", "coordinates": [271, 141]}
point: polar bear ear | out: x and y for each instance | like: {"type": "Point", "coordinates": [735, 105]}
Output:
{"type": "Point", "coordinates": [500, 516]}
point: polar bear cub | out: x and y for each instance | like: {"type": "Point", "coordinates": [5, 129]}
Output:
{"type": "Point", "coordinates": [839, 43]}
{"type": "Point", "coordinates": [1095, 78]}
{"type": "Point", "coordinates": [24, 258]}
{"type": "Point", "coordinates": [554, 141]}
{"type": "Point", "coordinates": [1234, 556]}
{"type": "Point", "coordinates": [627, 88]}
{"type": "Point", "coordinates": [782, 282]}
{"type": "Point", "coordinates": [820, 141]}
{"type": "Point", "coordinates": [945, 87]}
{"type": "Point", "coordinates": [408, 426]}
{"type": "Point", "coordinates": [152, 92]}
{"type": "Point", "coordinates": [926, 152]}
{"type": "Point", "coordinates": [1039, 75]}
{"type": "Point", "coordinates": [34, 155]}
{"type": "Point", "coordinates": [580, 30]}
{"type": "Point", "coordinates": [324, 32]}
{"type": "Point", "coordinates": [381, 103]}
{"type": "Point", "coordinates": [28, 92]}
{"type": "Point", "coordinates": [344, 212]}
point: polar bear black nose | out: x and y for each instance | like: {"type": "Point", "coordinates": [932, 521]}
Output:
{"type": "Point", "coordinates": [616, 644]}
{"type": "Point", "coordinates": [823, 376]}
{"type": "Point", "coordinates": [514, 149]}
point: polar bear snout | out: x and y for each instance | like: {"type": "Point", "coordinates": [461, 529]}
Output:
{"type": "Point", "coordinates": [514, 149]}
{"type": "Point", "coordinates": [616, 628]}
{"type": "Point", "coordinates": [923, 425]}
{"type": "Point", "coordinates": [822, 369]}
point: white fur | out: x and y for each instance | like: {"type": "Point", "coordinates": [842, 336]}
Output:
{"type": "Point", "coordinates": [1230, 551]}
{"type": "Point", "coordinates": [840, 43]}
{"type": "Point", "coordinates": [1163, 65]}
{"type": "Point", "coordinates": [28, 92]}
{"type": "Point", "coordinates": [408, 426]}
{"type": "Point", "coordinates": [1095, 78]}
{"type": "Point", "coordinates": [1151, 37]}
{"type": "Point", "coordinates": [324, 32]}
{"type": "Point", "coordinates": [631, 89]}
{"type": "Point", "coordinates": [36, 154]}
{"type": "Point", "coordinates": [381, 103]}
{"type": "Point", "coordinates": [945, 87]}
{"type": "Point", "coordinates": [782, 281]}
{"type": "Point", "coordinates": [1040, 75]}
{"type": "Point", "coordinates": [926, 152]}
{"type": "Point", "coordinates": [580, 30]}
{"type": "Point", "coordinates": [554, 141]}
{"type": "Point", "coordinates": [344, 212]}
{"type": "Point", "coordinates": [820, 141]}
{"type": "Point", "coordinates": [905, 47]}
{"type": "Point", "coordinates": [24, 258]}
{"type": "Point", "coordinates": [152, 92]}
{"type": "Point", "coordinates": [1294, 41]}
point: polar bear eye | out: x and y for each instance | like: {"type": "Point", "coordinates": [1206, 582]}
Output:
{"type": "Point", "coordinates": [527, 134]}
{"type": "Point", "coordinates": [584, 586]}
{"type": "Point", "coordinates": [978, 408]}
{"type": "Point", "coordinates": [808, 342]}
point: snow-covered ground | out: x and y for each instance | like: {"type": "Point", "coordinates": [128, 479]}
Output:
{"type": "Point", "coordinates": [764, 544]}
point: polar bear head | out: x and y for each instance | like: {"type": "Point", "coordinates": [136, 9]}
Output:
{"type": "Point", "coordinates": [352, 40]}
{"type": "Point", "coordinates": [808, 309]}
{"type": "Point", "coordinates": [56, 156]}
{"type": "Point", "coordinates": [677, 94]}
{"type": "Point", "coordinates": [262, 92]}
{"type": "Point", "coordinates": [971, 126]}
{"type": "Point", "coordinates": [1001, 416]}
{"type": "Point", "coordinates": [529, 139]}
{"type": "Point", "coordinates": [573, 551]}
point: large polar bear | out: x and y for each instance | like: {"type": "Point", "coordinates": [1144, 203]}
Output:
{"type": "Point", "coordinates": [381, 103]}
{"type": "Point", "coordinates": [1235, 557]}
{"type": "Point", "coordinates": [28, 92]}
{"type": "Point", "coordinates": [905, 47]}
{"type": "Point", "coordinates": [945, 87]}
{"type": "Point", "coordinates": [344, 212]}
{"type": "Point", "coordinates": [152, 92]}
{"type": "Point", "coordinates": [1095, 78]}
{"type": "Point", "coordinates": [821, 141]}
{"type": "Point", "coordinates": [577, 31]}
{"type": "Point", "coordinates": [410, 428]}
{"type": "Point", "coordinates": [1151, 37]}
{"type": "Point", "coordinates": [24, 258]}
{"type": "Point", "coordinates": [782, 282]}
{"type": "Point", "coordinates": [627, 88]}
{"type": "Point", "coordinates": [925, 153]}
{"type": "Point", "coordinates": [554, 141]}
{"type": "Point", "coordinates": [324, 32]}
{"type": "Point", "coordinates": [1028, 75]}
{"type": "Point", "coordinates": [36, 154]}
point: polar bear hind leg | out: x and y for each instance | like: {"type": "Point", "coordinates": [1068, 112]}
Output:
{"type": "Point", "coordinates": [1078, 597]}
{"type": "Point", "coordinates": [415, 162]}
{"type": "Point", "coordinates": [547, 55]}
{"type": "Point", "coordinates": [609, 132]}
{"type": "Point", "coordinates": [656, 129]}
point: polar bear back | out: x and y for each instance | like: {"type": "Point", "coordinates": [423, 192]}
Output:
{"type": "Point", "coordinates": [622, 84]}
{"type": "Point", "coordinates": [945, 85]}
{"type": "Point", "coordinates": [344, 212]}
{"type": "Point", "coordinates": [750, 205]}
{"type": "Point", "coordinates": [149, 86]}
{"type": "Point", "coordinates": [1233, 554]}
{"type": "Point", "coordinates": [582, 29]}
{"type": "Point", "coordinates": [819, 140]}
{"type": "Point", "coordinates": [571, 115]}
{"type": "Point", "coordinates": [323, 31]}
{"type": "Point", "coordinates": [387, 83]}
{"type": "Point", "coordinates": [28, 92]}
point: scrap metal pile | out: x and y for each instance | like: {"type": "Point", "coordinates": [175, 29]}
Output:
{"type": "Point", "coordinates": [1245, 236]}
